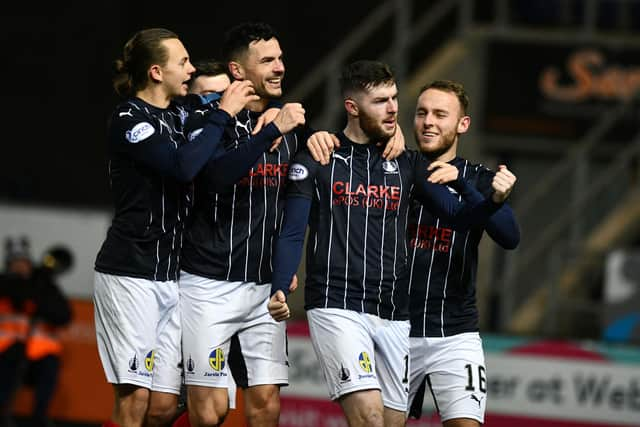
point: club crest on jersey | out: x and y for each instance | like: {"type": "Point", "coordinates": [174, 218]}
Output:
{"type": "Point", "coordinates": [390, 167]}
{"type": "Point", "coordinates": [193, 135]}
{"type": "Point", "coordinates": [149, 359]}
{"type": "Point", "coordinates": [365, 362]}
{"type": "Point", "coordinates": [216, 360]}
{"type": "Point", "coordinates": [298, 172]}
{"type": "Point", "coordinates": [140, 132]}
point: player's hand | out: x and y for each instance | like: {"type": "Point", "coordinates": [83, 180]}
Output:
{"type": "Point", "coordinates": [395, 146]}
{"type": "Point", "coordinates": [502, 184]}
{"type": "Point", "coordinates": [290, 116]}
{"type": "Point", "coordinates": [237, 95]}
{"type": "Point", "coordinates": [321, 144]}
{"type": "Point", "coordinates": [442, 172]}
{"type": "Point", "coordinates": [294, 284]}
{"type": "Point", "coordinates": [278, 308]}
{"type": "Point", "coordinates": [264, 119]}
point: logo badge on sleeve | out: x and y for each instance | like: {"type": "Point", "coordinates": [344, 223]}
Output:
{"type": "Point", "coordinates": [140, 132]}
{"type": "Point", "coordinates": [298, 172]}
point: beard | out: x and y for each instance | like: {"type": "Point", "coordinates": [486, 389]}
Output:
{"type": "Point", "coordinates": [373, 129]}
{"type": "Point", "coordinates": [434, 151]}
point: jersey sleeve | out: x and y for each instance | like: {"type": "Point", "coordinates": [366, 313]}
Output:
{"type": "Point", "coordinates": [227, 167]}
{"type": "Point", "coordinates": [502, 226]}
{"type": "Point", "coordinates": [301, 176]}
{"type": "Point", "coordinates": [441, 203]}
{"type": "Point", "coordinates": [146, 140]}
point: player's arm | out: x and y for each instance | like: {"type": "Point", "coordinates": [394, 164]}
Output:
{"type": "Point", "coordinates": [227, 168]}
{"type": "Point", "coordinates": [289, 243]}
{"type": "Point", "coordinates": [288, 246]}
{"type": "Point", "coordinates": [152, 146]}
{"type": "Point", "coordinates": [437, 198]}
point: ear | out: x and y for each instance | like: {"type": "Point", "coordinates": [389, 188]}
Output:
{"type": "Point", "coordinates": [463, 124]}
{"type": "Point", "coordinates": [155, 73]}
{"type": "Point", "coordinates": [236, 70]}
{"type": "Point", "coordinates": [351, 106]}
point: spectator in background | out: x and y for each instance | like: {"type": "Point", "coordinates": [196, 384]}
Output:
{"type": "Point", "coordinates": [32, 311]}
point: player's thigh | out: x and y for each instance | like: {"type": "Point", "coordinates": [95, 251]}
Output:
{"type": "Point", "coordinates": [345, 350]}
{"type": "Point", "coordinates": [458, 378]}
{"type": "Point", "coordinates": [259, 354]}
{"type": "Point", "coordinates": [363, 406]}
{"type": "Point", "coordinates": [127, 314]}
{"type": "Point", "coordinates": [209, 318]}
{"type": "Point", "coordinates": [167, 370]}
{"type": "Point", "coordinates": [418, 368]}
{"type": "Point", "coordinates": [393, 363]}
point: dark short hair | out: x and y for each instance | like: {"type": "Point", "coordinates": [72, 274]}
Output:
{"type": "Point", "coordinates": [452, 87]}
{"type": "Point", "coordinates": [208, 67]}
{"type": "Point", "coordinates": [236, 41]}
{"type": "Point", "coordinates": [361, 76]}
{"type": "Point", "coordinates": [141, 51]}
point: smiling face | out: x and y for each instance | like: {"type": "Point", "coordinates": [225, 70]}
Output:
{"type": "Point", "coordinates": [262, 65]}
{"type": "Point", "coordinates": [377, 111]}
{"type": "Point", "coordinates": [438, 121]}
{"type": "Point", "coordinates": [176, 72]}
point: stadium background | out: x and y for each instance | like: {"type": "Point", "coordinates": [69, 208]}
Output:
{"type": "Point", "coordinates": [572, 289]}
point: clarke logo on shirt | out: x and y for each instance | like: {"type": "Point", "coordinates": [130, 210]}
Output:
{"type": "Point", "coordinates": [140, 132]}
{"type": "Point", "coordinates": [298, 172]}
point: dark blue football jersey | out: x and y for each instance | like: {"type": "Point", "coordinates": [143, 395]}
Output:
{"type": "Point", "coordinates": [444, 261]}
{"type": "Point", "coordinates": [230, 234]}
{"type": "Point", "coordinates": [153, 154]}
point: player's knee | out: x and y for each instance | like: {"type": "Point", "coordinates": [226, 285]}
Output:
{"type": "Point", "coordinates": [208, 417]}
{"type": "Point", "coordinates": [160, 414]}
{"type": "Point", "coordinates": [131, 404]}
{"type": "Point", "coordinates": [263, 402]}
{"type": "Point", "coordinates": [370, 417]}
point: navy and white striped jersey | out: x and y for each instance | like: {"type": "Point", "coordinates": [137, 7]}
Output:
{"type": "Point", "coordinates": [356, 249]}
{"type": "Point", "coordinates": [153, 154]}
{"type": "Point", "coordinates": [230, 234]}
{"type": "Point", "coordinates": [444, 261]}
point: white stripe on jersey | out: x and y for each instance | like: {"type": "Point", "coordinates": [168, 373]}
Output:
{"type": "Point", "coordinates": [415, 245]}
{"type": "Point", "coordinates": [233, 200]}
{"type": "Point", "coordinates": [163, 227]}
{"type": "Point", "coordinates": [275, 219]}
{"type": "Point", "coordinates": [395, 247]}
{"type": "Point", "coordinates": [248, 239]}
{"type": "Point", "coordinates": [346, 255]}
{"type": "Point", "coordinates": [366, 229]}
{"type": "Point", "coordinates": [446, 281]}
{"type": "Point", "coordinates": [384, 219]}
{"type": "Point", "coordinates": [446, 277]}
{"type": "Point", "coordinates": [466, 239]}
{"type": "Point", "coordinates": [155, 272]}
{"type": "Point", "coordinates": [173, 247]}
{"type": "Point", "coordinates": [315, 238]}
{"type": "Point", "coordinates": [326, 294]}
{"type": "Point", "coordinates": [426, 298]}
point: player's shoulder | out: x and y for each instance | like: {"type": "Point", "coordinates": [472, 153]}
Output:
{"type": "Point", "coordinates": [134, 121]}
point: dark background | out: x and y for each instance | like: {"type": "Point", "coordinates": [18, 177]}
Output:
{"type": "Point", "coordinates": [57, 69]}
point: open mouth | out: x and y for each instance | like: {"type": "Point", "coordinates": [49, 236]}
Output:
{"type": "Point", "coordinates": [275, 82]}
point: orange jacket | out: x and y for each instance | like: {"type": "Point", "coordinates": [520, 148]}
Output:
{"type": "Point", "coordinates": [43, 341]}
{"type": "Point", "coordinates": [14, 324]}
